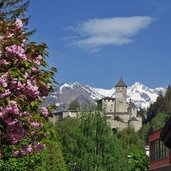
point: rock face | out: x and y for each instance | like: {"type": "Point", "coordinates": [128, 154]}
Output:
{"type": "Point", "coordinates": [141, 95]}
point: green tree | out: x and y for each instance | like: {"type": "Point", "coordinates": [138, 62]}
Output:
{"type": "Point", "coordinates": [12, 9]}
{"type": "Point", "coordinates": [159, 121]}
{"type": "Point", "coordinates": [23, 134]}
{"type": "Point", "coordinates": [130, 140]}
{"type": "Point", "coordinates": [138, 161]}
{"type": "Point", "coordinates": [52, 157]}
{"type": "Point", "coordinates": [133, 145]}
{"type": "Point", "coordinates": [168, 100]}
{"type": "Point", "coordinates": [89, 144]}
{"type": "Point", "coordinates": [74, 105]}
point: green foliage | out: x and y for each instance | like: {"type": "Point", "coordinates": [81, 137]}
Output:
{"type": "Point", "coordinates": [133, 145]}
{"type": "Point", "coordinates": [145, 131]}
{"type": "Point", "coordinates": [159, 121]}
{"type": "Point", "coordinates": [162, 104]}
{"type": "Point", "coordinates": [89, 144]}
{"type": "Point", "coordinates": [53, 157]}
{"type": "Point", "coordinates": [138, 161]}
{"type": "Point", "coordinates": [158, 112]}
{"type": "Point", "coordinates": [24, 163]}
{"type": "Point", "coordinates": [130, 140]}
{"type": "Point", "coordinates": [168, 99]}
{"type": "Point", "coordinates": [12, 9]}
{"type": "Point", "coordinates": [74, 105]}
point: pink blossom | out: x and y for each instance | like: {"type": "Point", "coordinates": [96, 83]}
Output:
{"type": "Point", "coordinates": [35, 70]}
{"type": "Point", "coordinates": [28, 149]}
{"type": "Point", "coordinates": [31, 90]}
{"type": "Point", "coordinates": [38, 59]}
{"type": "Point", "coordinates": [44, 111]}
{"type": "Point", "coordinates": [1, 38]}
{"type": "Point", "coordinates": [3, 79]}
{"type": "Point", "coordinates": [25, 114]}
{"type": "Point", "coordinates": [10, 35]}
{"type": "Point", "coordinates": [14, 138]}
{"type": "Point", "coordinates": [15, 153]}
{"type": "Point", "coordinates": [18, 23]}
{"type": "Point", "coordinates": [16, 51]}
{"type": "Point", "coordinates": [1, 114]}
{"type": "Point", "coordinates": [35, 124]}
{"type": "Point", "coordinates": [39, 147]}
{"type": "Point", "coordinates": [11, 122]}
{"type": "Point", "coordinates": [20, 86]}
{"type": "Point", "coordinates": [12, 107]}
{"type": "Point", "coordinates": [37, 62]}
{"type": "Point", "coordinates": [4, 62]}
{"type": "Point", "coordinates": [6, 93]}
{"type": "Point", "coordinates": [26, 75]}
{"type": "Point", "coordinates": [3, 82]}
{"type": "Point", "coordinates": [22, 152]}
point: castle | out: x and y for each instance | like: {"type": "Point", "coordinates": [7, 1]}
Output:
{"type": "Point", "coordinates": [120, 113]}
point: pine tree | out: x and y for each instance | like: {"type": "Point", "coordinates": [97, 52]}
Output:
{"type": "Point", "coordinates": [13, 9]}
{"type": "Point", "coordinates": [168, 100]}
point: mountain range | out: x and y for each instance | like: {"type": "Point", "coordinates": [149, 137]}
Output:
{"type": "Point", "coordinates": [65, 93]}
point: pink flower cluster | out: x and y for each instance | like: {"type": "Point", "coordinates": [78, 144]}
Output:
{"type": "Point", "coordinates": [4, 62]}
{"type": "Point", "coordinates": [28, 149]}
{"type": "Point", "coordinates": [18, 23]}
{"type": "Point", "coordinates": [1, 39]}
{"type": "Point", "coordinates": [9, 110]}
{"type": "Point", "coordinates": [4, 79]}
{"type": "Point", "coordinates": [35, 124]}
{"type": "Point", "coordinates": [6, 93]}
{"type": "Point", "coordinates": [15, 127]}
{"type": "Point", "coordinates": [31, 90]}
{"type": "Point", "coordinates": [21, 83]}
{"type": "Point", "coordinates": [27, 88]}
{"type": "Point", "coordinates": [16, 51]}
{"type": "Point", "coordinates": [38, 59]}
{"type": "Point", "coordinates": [45, 111]}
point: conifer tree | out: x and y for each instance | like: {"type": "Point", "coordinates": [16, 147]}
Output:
{"type": "Point", "coordinates": [12, 9]}
{"type": "Point", "coordinates": [168, 99]}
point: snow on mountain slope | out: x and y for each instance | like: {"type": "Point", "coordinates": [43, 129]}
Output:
{"type": "Point", "coordinates": [141, 95]}
{"type": "Point", "coordinates": [104, 92]}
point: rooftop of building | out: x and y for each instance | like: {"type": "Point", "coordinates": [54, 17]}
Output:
{"type": "Point", "coordinates": [121, 83]}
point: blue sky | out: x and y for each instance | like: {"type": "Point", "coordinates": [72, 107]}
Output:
{"type": "Point", "coordinates": [95, 42]}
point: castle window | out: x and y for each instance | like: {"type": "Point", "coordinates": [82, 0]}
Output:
{"type": "Point", "coordinates": [158, 150]}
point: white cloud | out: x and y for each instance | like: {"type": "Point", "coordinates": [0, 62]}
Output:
{"type": "Point", "coordinates": [96, 33]}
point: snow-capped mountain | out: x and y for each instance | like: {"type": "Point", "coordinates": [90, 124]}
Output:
{"type": "Point", "coordinates": [141, 95]}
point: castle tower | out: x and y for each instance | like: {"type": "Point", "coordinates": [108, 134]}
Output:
{"type": "Point", "coordinates": [121, 106]}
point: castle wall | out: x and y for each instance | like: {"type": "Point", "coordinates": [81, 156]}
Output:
{"type": "Point", "coordinates": [117, 124]}
{"type": "Point", "coordinates": [136, 124]}
{"type": "Point", "coordinates": [121, 104]}
{"type": "Point", "coordinates": [108, 105]}
{"type": "Point", "coordinates": [124, 117]}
